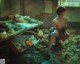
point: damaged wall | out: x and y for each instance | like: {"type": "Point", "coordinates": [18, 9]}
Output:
{"type": "Point", "coordinates": [31, 8]}
{"type": "Point", "coordinates": [11, 7]}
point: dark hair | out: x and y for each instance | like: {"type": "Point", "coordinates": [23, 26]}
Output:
{"type": "Point", "coordinates": [60, 9]}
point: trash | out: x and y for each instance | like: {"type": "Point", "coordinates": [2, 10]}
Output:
{"type": "Point", "coordinates": [33, 40]}
{"type": "Point", "coordinates": [29, 43]}
{"type": "Point", "coordinates": [45, 36]}
{"type": "Point", "coordinates": [45, 62]}
{"type": "Point", "coordinates": [3, 35]}
{"type": "Point", "coordinates": [46, 31]}
{"type": "Point", "coordinates": [23, 27]}
{"type": "Point", "coordinates": [40, 33]}
{"type": "Point", "coordinates": [21, 20]}
{"type": "Point", "coordinates": [33, 20]}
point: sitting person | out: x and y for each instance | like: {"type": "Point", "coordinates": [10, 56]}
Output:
{"type": "Point", "coordinates": [58, 29]}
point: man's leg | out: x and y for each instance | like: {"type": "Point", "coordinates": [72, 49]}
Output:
{"type": "Point", "coordinates": [52, 39]}
{"type": "Point", "coordinates": [50, 43]}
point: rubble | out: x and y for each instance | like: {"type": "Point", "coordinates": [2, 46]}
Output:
{"type": "Point", "coordinates": [69, 54]}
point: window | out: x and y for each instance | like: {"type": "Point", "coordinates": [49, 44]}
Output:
{"type": "Point", "coordinates": [69, 3]}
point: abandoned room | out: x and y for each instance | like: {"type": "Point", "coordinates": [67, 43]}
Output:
{"type": "Point", "coordinates": [39, 31]}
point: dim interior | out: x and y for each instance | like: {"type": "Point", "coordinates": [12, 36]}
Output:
{"type": "Point", "coordinates": [24, 30]}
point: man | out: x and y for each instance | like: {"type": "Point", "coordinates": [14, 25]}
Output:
{"type": "Point", "coordinates": [58, 29]}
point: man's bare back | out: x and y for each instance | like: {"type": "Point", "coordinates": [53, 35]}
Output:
{"type": "Point", "coordinates": [59, 23]}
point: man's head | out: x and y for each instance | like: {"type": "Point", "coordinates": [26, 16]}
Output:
{"type": "Point", "coordinates": [60, 10]}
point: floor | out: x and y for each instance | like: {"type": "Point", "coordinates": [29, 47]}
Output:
{"type": "Point", "coordinates": [69, 53]}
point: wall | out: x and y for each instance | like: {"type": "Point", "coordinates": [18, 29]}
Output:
{"type": "Point", "coordinates": [10, 7]}
{"type": "Point", "coordinates": [48, 6]}
{"type": "Point", "coordinates": [73, 14]}
{"type": "Point", "coordinates": [0, 8]}
{"type": "Point", "coordinates": [31, 7]}
{"type": "Point", "coordinates": [47, 16]}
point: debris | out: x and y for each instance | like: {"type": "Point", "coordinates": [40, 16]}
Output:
{"type": "Point", "coordinates": [34, 40]}
{"type": "Point", "coordinates": [29, 43]}
{"type": "Point", "coordinates": [40, 33]}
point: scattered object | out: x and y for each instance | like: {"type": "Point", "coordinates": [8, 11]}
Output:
{"type": "Point", "coordinates": [21, 20]}
{"type": "Point", "coordinates": [29, 43]}
{"type": "Point", "coordinates": [40, 33]}
{"type": "Point", "coordinates": [3, 35]}
{"type": "Point", "coordinates": [33, 40]}
{"type": "Point", "coordinates": [45, 62]}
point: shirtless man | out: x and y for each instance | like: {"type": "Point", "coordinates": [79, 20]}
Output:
{"type": "Point", "coordinates": [58, 29]}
